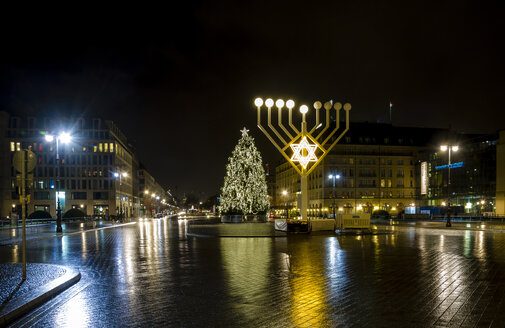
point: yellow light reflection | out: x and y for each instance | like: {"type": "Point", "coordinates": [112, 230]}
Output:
{"type": "Point", "coordinates": [308, 287]}
{"type": "Point", "coordinates": [246, 264]}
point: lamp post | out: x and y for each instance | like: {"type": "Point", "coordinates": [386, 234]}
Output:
{"type": "Point", "coordinates": [153, 195]}
{"type": "Point", "coordinates": [285, 194]}
{"type": "Point", "coordinates": [65, 138]}
{"type": "Point", "coordinates": [334, 177]}
{"type": "Point", "coordinates": [146, 199]}
{"type": "Point", "coordinates": [449, 149]}
{"type": "Point", "coordinates": [119, 175]}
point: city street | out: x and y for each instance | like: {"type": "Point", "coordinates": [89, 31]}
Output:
{"type": "Point", "coordinates": [152, 274]}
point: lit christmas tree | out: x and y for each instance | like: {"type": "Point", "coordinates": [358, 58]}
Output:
{"type": "Point", "coordinates": [245, 187]}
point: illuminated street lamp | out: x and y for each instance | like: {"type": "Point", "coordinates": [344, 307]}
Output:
{"type": "Point", "coordinates": [65, 138]}
{"type": "Point", "coordinates": [285, 194]}
{"type": "Point", "coordinates": [449, 148]}
{"type": "Point", "coordinates": [334, 177]}
{"type": "Point", "coordinates": [119, 175]}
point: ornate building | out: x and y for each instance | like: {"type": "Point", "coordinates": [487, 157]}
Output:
{"type": "Point", "coordinates": [96, 172]}
{"type": "Point", "coordinates": [379, 167]}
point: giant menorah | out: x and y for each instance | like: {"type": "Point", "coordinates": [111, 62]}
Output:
{"type": "Point", "coordinates": [312, 146]}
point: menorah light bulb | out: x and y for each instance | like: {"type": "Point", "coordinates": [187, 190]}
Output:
{"type": "Point", "coordinates": [258, 102]}
{"type": "Point", "coordinates": [279, 103]}
{"type": "Point", "coordinates": [304, 109]}
{"type": "Point", "coordinates": [290, 104]}
{"type": "Point", "coordinates": [269, 102]}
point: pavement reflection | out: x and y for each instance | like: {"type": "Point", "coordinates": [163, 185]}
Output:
{"type": "Point", "coordinates": [152, 274]}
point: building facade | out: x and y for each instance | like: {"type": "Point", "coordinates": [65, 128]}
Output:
{"type": "Point", "coordinates": [96, 171]}
{"type": "Point", "coordinates": [379, 167]}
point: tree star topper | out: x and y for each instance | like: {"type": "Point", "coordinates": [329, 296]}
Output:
{"type": "Point", "coordinates": [244, 132]}
{"type": "Point", "coordinates": [298, 153]}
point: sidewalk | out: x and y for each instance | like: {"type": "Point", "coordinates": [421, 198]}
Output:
{"type": "Point", "coordinates": [9, 236]}
{"type": "Point", "coordinates": [44, 281]}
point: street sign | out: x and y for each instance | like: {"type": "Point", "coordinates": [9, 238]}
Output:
{"type": "Point", "coordinates": [19, 158]}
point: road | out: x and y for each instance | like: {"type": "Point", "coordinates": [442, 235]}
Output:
{"type": "Point", "coordinates": [151, 274]}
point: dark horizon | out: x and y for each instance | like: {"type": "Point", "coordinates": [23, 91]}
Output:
{"type": "Point", "coordinates": [181, 83]}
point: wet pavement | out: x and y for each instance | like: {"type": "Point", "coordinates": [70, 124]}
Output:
{"type": "Point", "coordinates": [37, 274]}
{"type": "Point", "coordinates": [14, 235]}
{"type": "Point", "coordinates": [152, 274]}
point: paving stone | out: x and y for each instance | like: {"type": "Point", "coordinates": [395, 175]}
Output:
{"type": "Point", "coordinates": [152, 274]}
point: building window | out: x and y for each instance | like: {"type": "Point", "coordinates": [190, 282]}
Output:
{"type": "Point", "coordinates": [13, 146]}
{"type": "Point", "coordinates": [79, 195]}
{"type": "Point", "coordinates": [103, 195]}
{"type": "Point", "coordinates": [100, 147]}
{"type": "Point", "coordinates": [106, 147]}
{"type": "Point", "coordinates": [41, 195]}
{"type": "Point", "coordinates": [18, 146]}
{"type": "Point", "coordinates": [111, 147]}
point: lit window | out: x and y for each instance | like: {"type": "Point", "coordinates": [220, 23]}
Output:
{"type": "Point", "coordinates": [13, 146]}
{"type": "Point", "coordinates": [100, 147]}
{"type": "Point", "coordinates": [94, 148]}
{"type": "Point", "coordinates": [18, 146]}
{"type": "Point", "coordinates": [111, 147]}
{"type": "Point", "coordinates": [106, 147]}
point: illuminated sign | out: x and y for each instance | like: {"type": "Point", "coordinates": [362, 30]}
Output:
{"type": "Point", "coordinates": [424, 178]}
{"type": "Point", "coordinates": [453, 166]}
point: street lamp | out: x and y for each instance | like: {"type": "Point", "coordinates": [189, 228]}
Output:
{"type": "Point", "coordinates": [119, 175]}
{"type": "Point", "coordinates": [334, 177]}
{"type": "Point", "coordinates": [65, 138]}
{"type": "Point", "coordinates": [285, 194]}
{"type": "Point", "coordinates": [449, 149]}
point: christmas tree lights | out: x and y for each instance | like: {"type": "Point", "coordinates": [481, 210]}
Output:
{"type": "Point", "coordinates": [245, 188]}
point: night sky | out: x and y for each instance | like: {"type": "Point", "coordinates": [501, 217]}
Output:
{"type": "Point", "coordinates": [180, 80]}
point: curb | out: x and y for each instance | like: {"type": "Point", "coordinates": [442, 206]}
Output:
{"type": "Point", "coordinates": [34, 299]}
